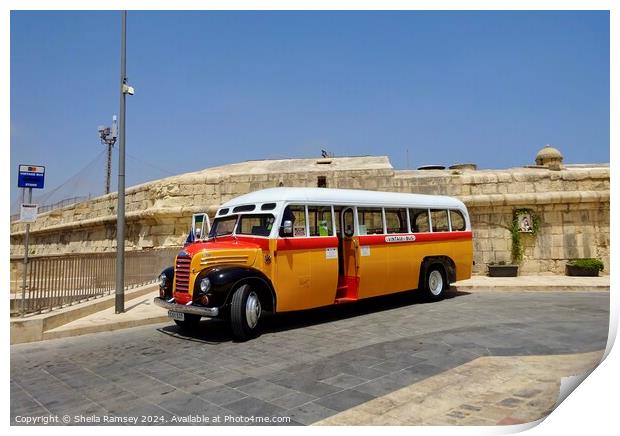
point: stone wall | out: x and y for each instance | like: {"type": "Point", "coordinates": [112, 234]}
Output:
{"type": "Point", "coordinates": [572, 203]}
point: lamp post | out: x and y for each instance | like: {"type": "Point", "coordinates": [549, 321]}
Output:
{"type": "Point", "coordinates": [120, 209]}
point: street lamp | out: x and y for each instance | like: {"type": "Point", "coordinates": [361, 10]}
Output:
{"type": "Point", "coordinates": [120, 209]}
{"type": "Point", "coordinates": [108, 136]}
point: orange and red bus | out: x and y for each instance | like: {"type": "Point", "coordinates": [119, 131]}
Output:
{"type": "Point", "coordinates": [287, 249]}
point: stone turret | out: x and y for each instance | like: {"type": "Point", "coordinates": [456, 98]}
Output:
{"type": "Point", "coordinates": [549, 157]}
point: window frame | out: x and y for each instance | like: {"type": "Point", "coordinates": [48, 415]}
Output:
{"type": "Point", "coordinates": [228, 217]}
{"type": "Point", "coordinates": [431, 219]}
{"type": "Point", "coordinates": [462, 215]}
{"type": "Point", "coordinates": [241, 216]}
{"type": "Point", "coordinates": [385, 227]}
{"type": "Point", "coordinates": [428, 218]}
{"type": "Point", "coordinates": [306, 228]}
{"type": "Point", "coordinates": [357, 220]}
{"type": "Point", "coordinates": [333, 220]}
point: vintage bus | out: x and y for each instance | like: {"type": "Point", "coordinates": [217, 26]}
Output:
{"type": "Point", "coordinates": [288, 249]}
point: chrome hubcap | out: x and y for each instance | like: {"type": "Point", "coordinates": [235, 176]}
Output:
{"type": "Point", "coordinates": [252, 310]}
{"type": "Point", "coordinates": [435, 282]}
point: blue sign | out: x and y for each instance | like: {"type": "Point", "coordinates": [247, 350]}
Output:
{"type": "Point", "coordinates": [31, 176]}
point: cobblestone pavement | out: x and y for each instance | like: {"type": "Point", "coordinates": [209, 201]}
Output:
{"type": "Point", "coordinates": [489, 390]}
{"type": "Point", "coordinates": [305, 366]}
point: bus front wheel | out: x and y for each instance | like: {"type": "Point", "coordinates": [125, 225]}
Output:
{"type": "Point", "coordinates": [245, 312]}
{"type": "Point", "coordinates": [435, 283]}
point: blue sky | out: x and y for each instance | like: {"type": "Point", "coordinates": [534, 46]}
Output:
{"type": "Point", "coordinates": [489, 88]}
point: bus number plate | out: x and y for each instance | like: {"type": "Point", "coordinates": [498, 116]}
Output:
{"type": "Point", "coordinates": [179, 316]}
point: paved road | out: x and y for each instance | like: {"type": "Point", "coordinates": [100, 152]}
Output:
{"type": "Point", "coordinates": [305, 366]}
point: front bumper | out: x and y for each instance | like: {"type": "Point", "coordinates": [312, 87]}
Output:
{"type": "Point", "coordinates": [194, 310]}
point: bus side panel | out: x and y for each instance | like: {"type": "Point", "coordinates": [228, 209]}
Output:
{"type": "Point", "coordinates": [305, 276]}
{"type": "Point", "coordinates": [324, 269]}
{"type": "Point", "coordinates": [459, 250]}
{"type": "Point", "coordinates": [395, 266]}
{"type": "Point", "coordinates": [373, 266]}
{"type": "Point", "coordinates": [401, 267]}
{"type": "Point", "coordinates": [463, 258]}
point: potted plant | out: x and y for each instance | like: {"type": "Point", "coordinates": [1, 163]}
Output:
{"type": "Point", "coordinates": [501, 269]}
{"type": "Point", "coordinates": [584, 267]}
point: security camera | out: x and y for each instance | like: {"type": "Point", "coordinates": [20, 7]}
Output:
{"type": "Point", "coordinates": [128, 90]}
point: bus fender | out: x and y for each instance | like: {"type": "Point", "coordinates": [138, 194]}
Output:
{"type": "Point", "coordinates": [447, 264]}
{"type": "Point", "coordinates": [169, 272]}
{"type": "Point", "coordinates": [225, 279]}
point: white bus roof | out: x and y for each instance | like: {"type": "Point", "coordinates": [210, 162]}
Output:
{"type": "Point", "coordinates": [344, 197]}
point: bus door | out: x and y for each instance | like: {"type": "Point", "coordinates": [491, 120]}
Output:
{"type": "Point", "coordinates": [305, 256]}
{"type": "Point", "coordinates": [348, 256]}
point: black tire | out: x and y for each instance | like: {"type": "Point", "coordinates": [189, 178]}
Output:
{"type": "Point", "coordinates": [435, 283]}
{"type": "Point", "coordinates": [245, 312]}
{"type": "Point", "coordinates": [190, 323]}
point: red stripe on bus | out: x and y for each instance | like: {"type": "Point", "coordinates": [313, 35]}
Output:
{"type": "Point", "coordinates": [419, 237]}
{"type": "Point", "coordinates": [307, 243]}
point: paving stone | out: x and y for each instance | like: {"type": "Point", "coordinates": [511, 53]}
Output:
{"type": "Point", "coordinates": [264, 390]}
{"type": "Point", "coordinates": [182, 403]}
{"type": "Point", "coordinates": [510, 402]}
{"type": "Point", "coordinates": [344, 400]}
{"type": "Point", "coordinates": [304, 384]}
{"type": "Point", "coordinates": [310, 413]}
{"type": "Point", "coordinates": [221, 395]}
{"type": "Point", "coordinates": [398, 364]}
{"type": "Point", "coordinates": [470, 407]}
{"type": "Point", "coordinates": [241, 382]}
{"type": "Point", "coordinates": [292, 400]}
{"type": "Point", "coordinates": [254, 407]}
{"type": "Point", "coordinates": [527, 393]}
{"type": "Point", "coordinates": [344, 381]}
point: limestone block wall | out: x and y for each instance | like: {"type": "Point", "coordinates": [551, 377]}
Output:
{"type": "Point", "coordinates": [573, 206]}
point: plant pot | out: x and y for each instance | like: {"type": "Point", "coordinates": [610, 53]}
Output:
{"type": "Point", "coordinates": [574, 270]}
{"type": "Point", "coordinates": [503, 270]}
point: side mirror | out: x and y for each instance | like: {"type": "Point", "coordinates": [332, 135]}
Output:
{"type": "Point", "coordinates": [287, 228]}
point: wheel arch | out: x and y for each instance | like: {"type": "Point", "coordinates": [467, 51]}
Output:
{"type": "Point", "coordinates": [230, 278]}
{"type": "Point", "coordinates": [263, 289]}
{"type": "Point", "coordinates": [445, 262]}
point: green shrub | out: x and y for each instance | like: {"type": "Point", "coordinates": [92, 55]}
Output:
{"type": "Point", "coordinates": [591, 264]}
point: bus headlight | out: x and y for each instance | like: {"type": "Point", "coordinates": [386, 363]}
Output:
{"type": "Point", "coordinates": [162, 280]}
{"type": "Point", "coordinates": [205, 285]}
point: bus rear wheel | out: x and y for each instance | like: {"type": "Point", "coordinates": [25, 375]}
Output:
{"type": "Point", "coordinates": [245, 312]}
{"type": "Point", "coordinates": [435, 283]}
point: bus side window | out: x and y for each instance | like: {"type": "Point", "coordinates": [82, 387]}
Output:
{"type": "Point", "coordinates": [457, 220]}
{"type": "Point", "coordinates": [338, 217]}
{"type": "Point", "coordinates": [439, 218]}
{"type": "Point", "coordinates": [320, 220]}
{"type": "Point", "coordinates": [348, 223]}
{"type": "Point", "coordinates": [370, 221]}
{"type": "Point", "coordinates": [396, 220]}
{"type": "Point", "coordinates": [419, 220]}
{"type": "Point", "coordinates": [296, 214]}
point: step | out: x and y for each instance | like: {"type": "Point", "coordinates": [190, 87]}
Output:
{"type": "Point", "coordinates": [345, 300]}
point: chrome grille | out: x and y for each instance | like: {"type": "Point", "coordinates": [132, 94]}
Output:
{"type": "Point", "coordinates": [208, 260]}
{"type": "Point", "coordinates": [181, 273]}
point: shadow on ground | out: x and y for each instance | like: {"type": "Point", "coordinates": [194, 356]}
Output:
{"type": "Point", "coordinates": [218, 330]}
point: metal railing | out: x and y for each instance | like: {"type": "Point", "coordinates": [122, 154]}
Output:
{"type": "Point", "coordinates": [60, 280]}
